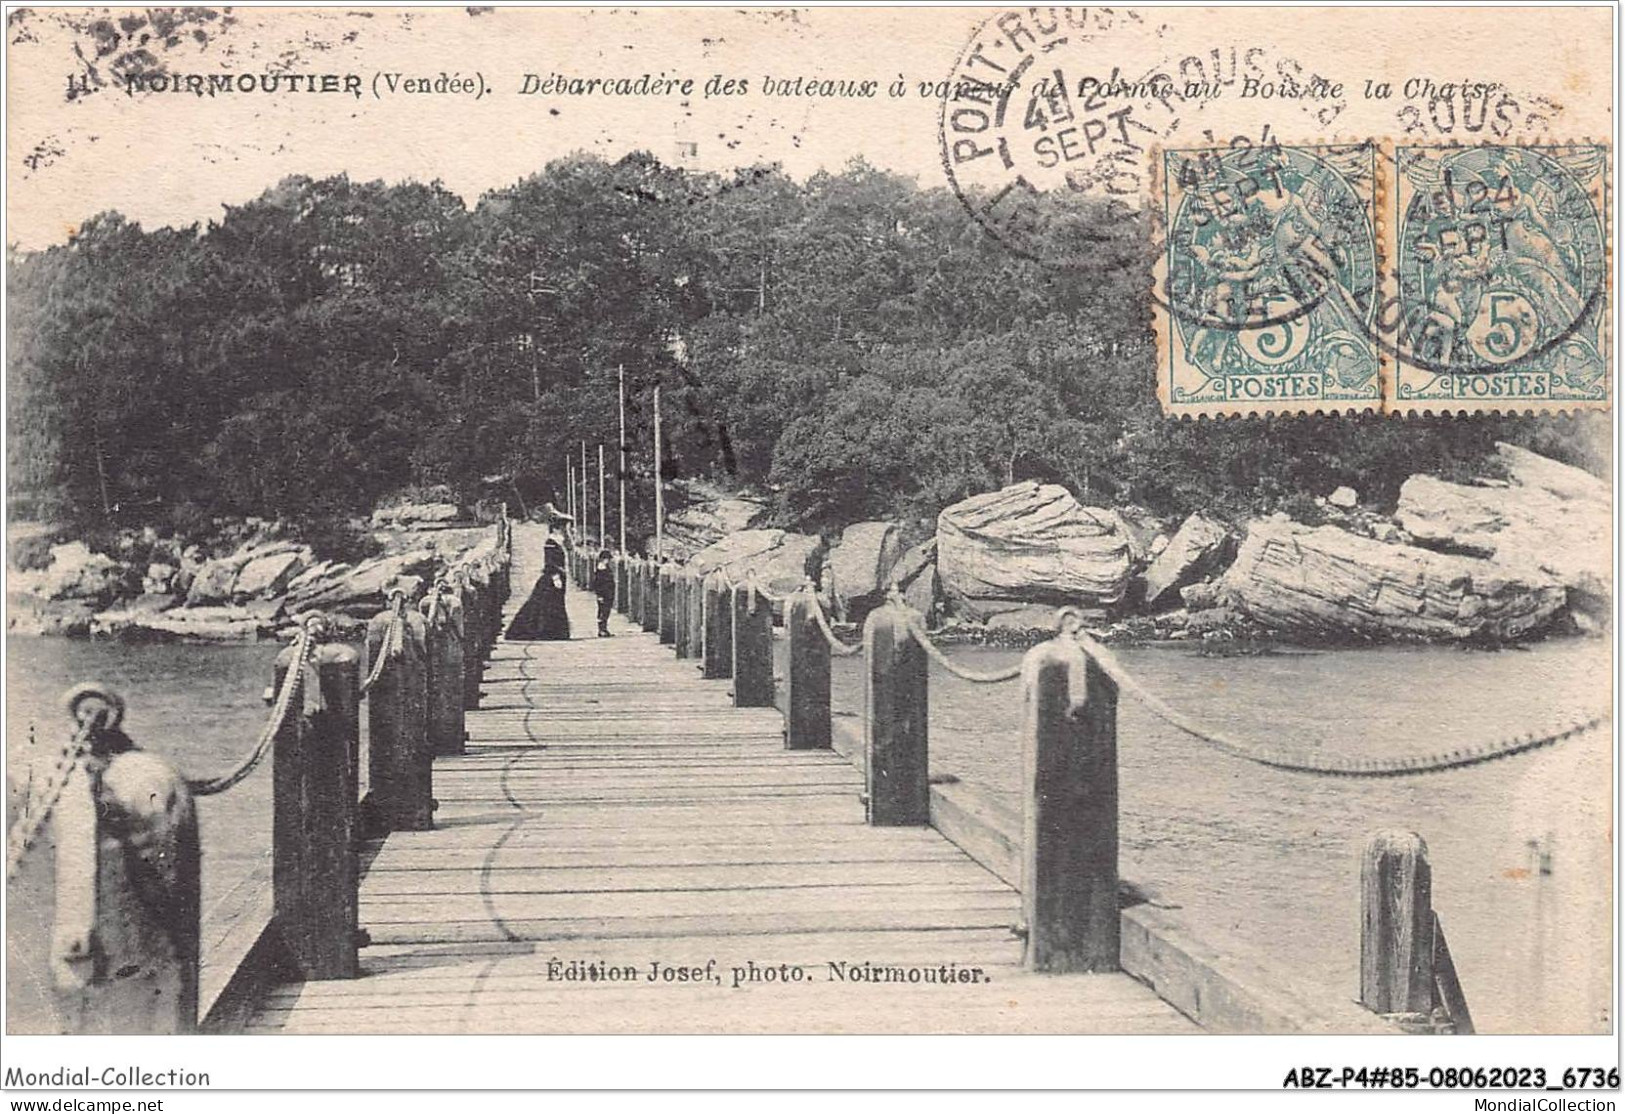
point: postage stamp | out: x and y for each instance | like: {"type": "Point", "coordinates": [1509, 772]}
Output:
{"type": "Point", "coordinates": [1501, 266]}
{"type": "Point", "coordinates": [1266, 285]}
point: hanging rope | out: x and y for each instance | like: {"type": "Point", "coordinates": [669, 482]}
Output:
{"type": "Point", "coordinates": [36, 812]}
{"type": "Point", "coordinates": [393, 642]}
{"type": "Point", "coordinates": [293, 680]}
{"type": "Point", "coordinates": [916, 628]}
{"type": "Point", "coordinates": [1332, 767]}
{"type": "Point", "coordinates": [836, 646]}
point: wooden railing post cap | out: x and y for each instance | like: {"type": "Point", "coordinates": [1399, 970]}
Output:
{"type": "Point", "coordinates": [1396, 841]}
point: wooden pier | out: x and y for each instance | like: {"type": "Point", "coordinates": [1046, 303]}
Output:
{"type": "Point", "coordinates": [627, 834]}
{"type": "Point", "coordinates": [614, 809]}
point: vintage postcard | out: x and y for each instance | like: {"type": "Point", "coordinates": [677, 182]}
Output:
{"type": "Point", "coordinates": [814, 521]}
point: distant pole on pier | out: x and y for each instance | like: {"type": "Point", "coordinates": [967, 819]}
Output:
{"type": "Point", "coordinates": [586, 503]}
{"type": "Point", "coordinates": [570, 489]}
{"type": "Point", "coordinates": [621, 471]}
{"type": "Point", "coordinates": [603, 536]}
{"type": "Point", "coordinates": [660, 499]}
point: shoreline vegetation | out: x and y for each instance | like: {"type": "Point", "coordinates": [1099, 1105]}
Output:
{"type": "Point", "coordinates": [858, 385]}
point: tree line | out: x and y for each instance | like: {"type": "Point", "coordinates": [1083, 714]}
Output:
{"type": "Point", "coordinates": [853, 343]}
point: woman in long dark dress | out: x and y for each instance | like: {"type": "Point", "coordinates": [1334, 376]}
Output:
{"type": "Point", "coordinates": [543, 616]}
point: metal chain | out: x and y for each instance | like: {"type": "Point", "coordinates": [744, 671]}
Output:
{"type": "Point", "coordinates": [1332, 767]}
{"type": "Point", "coordinates": [293, 681]}
{"type": "Point", "coordinates": [994, 677]}
{"type": "Point", "coordinates": [33, 820]}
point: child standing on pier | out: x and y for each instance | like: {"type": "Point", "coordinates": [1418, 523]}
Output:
{"type": "Point", "coordinates": [603, 586]}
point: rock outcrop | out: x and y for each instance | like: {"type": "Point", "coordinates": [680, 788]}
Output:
{"type": "Point", "coordinates": [707, 515]}
{"type": "Point", "coordinates": [1547, 515]}
{"type": "Point", "coordinates": [916, 574]}
{"type": "Point", "coordinates": [419, 515]}
{"type": "Point", "coordinates": [1198, 548]}
{"type": "Point", "coordinates": [361, 590]}
{"type": "Point", "coordinates": [1029, 544]}
{"type": "Point", "coordinates": [1326, 583]}
{"type": "Point", "coordinates": [74, 573]}
{"type": "Point", "coordinates": [860, 567]}
{"type": "Point", "coordinates": [779, 559]}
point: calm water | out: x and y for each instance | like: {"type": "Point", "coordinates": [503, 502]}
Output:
{"type": "Point", "coordinates": [1266, 862]}
{"type": "Point", "coordinates": [198, 705]}
{"type": "Point", "coordinates": [1271, 859]}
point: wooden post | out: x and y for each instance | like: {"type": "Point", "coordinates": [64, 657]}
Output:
{"type": "Point", "coordinates": [668, 604]}
{"type": "Point", "coordinates": [1069, 846]}
{"type": "Point", "coordinates": [1396, 925]}
{"type": "Point", "coordinates": [649, 617]}
{"type": "Point", "coordinates": [896, 721]}
{"type": "Point", "coordinates": [718, 625]}
{"type": "Point", "coordinates": [314, 775]}
{"type": "Point", "coordinates": [469, 593]}
{"type": "Point", "coordinates": [680, 611]}
{"type": "Point", "coordinates": [696, 615]}
{"type": "Point", "coordinates": [444, 630]}
{"type": "Point", "coordinates": [399, 761]}
{"type": "Point", "coordinates": [752, 648]}
{"type": "Point", "coordinates": [806, 680]}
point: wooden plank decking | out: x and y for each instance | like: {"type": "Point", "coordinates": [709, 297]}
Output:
{"type": "Point", "coordinates": [615, 809]}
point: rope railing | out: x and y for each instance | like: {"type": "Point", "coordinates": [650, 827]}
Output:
{"type": "Point", "coordinates": [293, 681]}
{"type": "Point", "coordinates": [1457, 758]}
{"type": "Point", "coordinates": [393, 642]}
{"type": "Point", "coordinates": [836, 646]}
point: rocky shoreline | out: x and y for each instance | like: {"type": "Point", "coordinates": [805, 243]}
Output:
{"type": "Point", "coordinates": [1516, 556]}
{"type": "Point", "coordinates": [250, 581]}
{"type": "Point", "coordinates": [1521, 555]}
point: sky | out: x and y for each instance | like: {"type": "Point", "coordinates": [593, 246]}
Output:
{"type": "Point", "coordinates": [164, 158]}
{"type": "Point", "coordinates": [78, 145]}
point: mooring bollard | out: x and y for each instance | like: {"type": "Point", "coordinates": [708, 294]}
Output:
{"type": "Point", "coordinates": [443, 624]}
{"type": "Point", "coordinates": [314, 776]}
{"type": "Point", "coordinates": [668, 604]}
{"type": "Point", "coordinates": [718, 622]}
{"type": "Point", "coordinates": [399, 761]}
{"type": "Point", "coordinates": [1069, 847]}
{"type": "Point", "coordinates": [1396, 925]}
{"type": "Point", "coordinates": [122, 887]}
{"type": "Point", "coordinates": [806, 698]}
{"type": "Point", "coordinates": [896, 723]}
{"type": "Point", "coordinates": [752, 648]}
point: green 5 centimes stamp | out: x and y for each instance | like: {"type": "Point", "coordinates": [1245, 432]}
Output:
{"type": "Point", "coordinates": [1266, 285]}
{"type": "Point", "coordinates": [1502, 269]}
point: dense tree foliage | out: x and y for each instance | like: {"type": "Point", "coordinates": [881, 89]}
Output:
{"type": "Point", "coordinates": [854, 343]}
